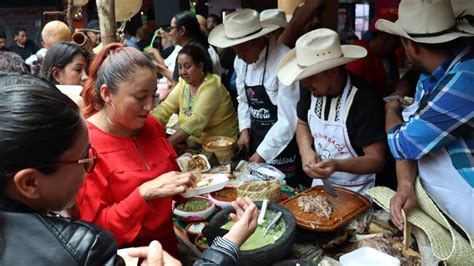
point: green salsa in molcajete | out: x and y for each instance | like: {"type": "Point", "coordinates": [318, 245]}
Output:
{"type": "Point", "coordinates": [257, 239]}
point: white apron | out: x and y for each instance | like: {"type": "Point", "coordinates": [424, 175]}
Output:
{"type": "Point", "coordinates": [443, 182]}
{"type": "Point", "coordinates": [332, 141]}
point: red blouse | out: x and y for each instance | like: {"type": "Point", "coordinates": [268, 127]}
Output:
{"type": "Point", "coordinates": [109, 196]}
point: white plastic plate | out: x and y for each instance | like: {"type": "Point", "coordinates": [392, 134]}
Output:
{"type": "Point", "coordinates": [367, 256]}
{"type": "Point", "coordinates": [219, 181]}
{"type": "Point", "coordinates": [182, 162]}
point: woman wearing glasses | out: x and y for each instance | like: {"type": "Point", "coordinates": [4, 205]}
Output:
{"type": "Point", "coordinates": [43, 162]}
{"type": "Point", "coordinates": [41, 169]}
{"type": "Point", "coordinates": [130, 190]}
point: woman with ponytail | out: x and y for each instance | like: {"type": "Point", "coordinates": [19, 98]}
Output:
{"type": "Point", "coordinates": [129, 192]}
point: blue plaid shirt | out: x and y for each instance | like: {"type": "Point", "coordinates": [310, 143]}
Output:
{"type": "Point", "coordinates": [444, 119]}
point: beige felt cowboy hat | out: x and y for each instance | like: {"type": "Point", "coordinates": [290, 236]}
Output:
{"type": "Point", "coordinates": [446, 242]}
{"type": "Point", "coordinates": [464, 13]}
{"type": "Point", "coordinates": [424, 21]}
{"type": "Point", "coordinates": [274, 17]}
{"type": "Point", "coordinates": [239, 27]}
{"type": "Point", "coordinates": [315, 52]}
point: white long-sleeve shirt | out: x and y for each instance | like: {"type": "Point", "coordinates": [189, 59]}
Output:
{"type": "Point", "coordinates": [285, 97]}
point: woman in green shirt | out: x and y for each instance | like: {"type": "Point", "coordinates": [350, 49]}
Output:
{"type": "Point", "coordinates": [201, 101]}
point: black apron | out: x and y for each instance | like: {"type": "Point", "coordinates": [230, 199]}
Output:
{"type": "Point", "coordinates": [263, 115]}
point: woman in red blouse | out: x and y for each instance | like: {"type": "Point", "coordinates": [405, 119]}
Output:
{"type": "Point", "coordinates": [129, 192]}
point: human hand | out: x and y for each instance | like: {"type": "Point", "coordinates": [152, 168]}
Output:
{"type": "Point", "coordinates": [166, 185]}
{"type": "Point", "coordinates": [256, 158]}
{"type": "Point", "coordinates": [154, 53]}
{"type": "Point", "coordinates": [405, 199]}
{"type": "Point", "coordinates": [322, 169]}
{"type": "Point", "coordinates": [244, 140]}
{"type": "Point", "coordinates": [403, 88]}
{"type": "Point", "coordinates": [394, 105]}
{"type": "Point", "coordinates": [245, 221]}
{"type": "Point", "coordinates": [308, 158]}
{"type": "Point", "coordinates": [154, 255]}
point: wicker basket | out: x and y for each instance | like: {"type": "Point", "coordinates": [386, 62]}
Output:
{"type": "Point", "coordinates": [260, 190]}
{"type": "Point", "coordinates": [223, 152]}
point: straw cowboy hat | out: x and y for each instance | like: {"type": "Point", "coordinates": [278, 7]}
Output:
{"type": "Point", "coordinates": [274, 17]}
{"type": "Point", "coordinates": [447, 244]}
{"type": "Point", "coordinates": [315, 52]}
{"type": "Point", "coordinates": [239, 27]}
{"type": "Point", "coordinates": [424, 21]}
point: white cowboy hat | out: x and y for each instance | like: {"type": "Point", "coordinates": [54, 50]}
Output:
{"type": "Point", "coordinates": [464, 11]}
{"type": "Point", "coordinates": [315, 52]}
{"type": "Point", "coordinates": [446, 242]}
{"type": "Point", "coordinates": [239, 27]}
{"type": "Point", "coordinates": [274, 17]}
{"type": "Point", "coordinates": [423, 21]}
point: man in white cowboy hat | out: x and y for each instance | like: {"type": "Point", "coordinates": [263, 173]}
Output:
{"type": "Point", "coordinates": [267, 108]}
{"type": "Point", "coordinates": [437, 130]}
{"type": "Point", "coordinates": [343, 118]}
{"type": "Point", "coordinates": [274, 17]}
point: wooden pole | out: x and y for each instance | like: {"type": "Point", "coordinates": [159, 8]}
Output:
{"type": "Point", "coordinates": [106, 10]}
{"type": "Point", "coordinates": [70, 23]}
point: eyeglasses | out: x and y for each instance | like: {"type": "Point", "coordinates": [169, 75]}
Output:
{"type": "Point", "coordinates": [169, 28]}
{"type": "Point", "coordinates": [88, 163]}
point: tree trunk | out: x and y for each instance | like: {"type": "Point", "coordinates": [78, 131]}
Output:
{"type": "Point", "coordinates": [69, 15]}
{"type": "Point", "coordinates": [106, 11]}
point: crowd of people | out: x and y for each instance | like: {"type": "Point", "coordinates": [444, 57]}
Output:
{"type": "Point", "coordinates": [93, 172]}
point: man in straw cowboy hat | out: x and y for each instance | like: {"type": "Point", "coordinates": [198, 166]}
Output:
{"type": "Point", "coordinates": [437, 130]}
{"type": "Point", "coordinates": [267, 108]}
{"type": "Point", "coordinates": [343, 118]}
{"type": "Point", "coordinates": [274, 17]}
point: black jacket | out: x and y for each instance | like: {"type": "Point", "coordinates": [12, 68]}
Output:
{"type": "Point", "coordinates": [29, 238]}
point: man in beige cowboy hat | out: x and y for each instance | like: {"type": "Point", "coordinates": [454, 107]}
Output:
{"type": "Point", "coordinates": [343, 118]}
{"type": "Point", "coordinates": [437, 130]}
{"type": "Point", "coordinates": [267, 108]}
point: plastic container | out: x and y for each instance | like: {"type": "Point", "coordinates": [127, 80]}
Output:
{"type": "Point", "coordinates": [367, 256]}
{"type": "Point", "coordinates": [223, 202]}
{"type": "Point", "coordinates": [195, 215]}
{"type": "Point", "coordinates": [191, 230]}
{"type": "Point", "coordinates": [219, 181]}
{"type": "Point", "coordinates": [183, 160]}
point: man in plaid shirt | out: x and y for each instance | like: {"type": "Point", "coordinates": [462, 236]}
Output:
{"type": "Point", "coordinates": [437, 130]}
